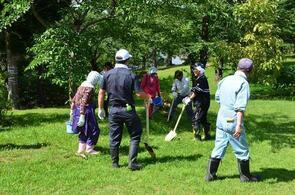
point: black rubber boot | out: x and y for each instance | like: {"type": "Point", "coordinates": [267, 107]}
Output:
{"type": "Point", "coordinates": [133, 165]}
{"type": "Point", "coordinates": [207, 131]}
{"type": "Point", "coordinates": [244, 171]}
{"type": "Point", "coordinates": [197, 135]}
{"type": "Point", "coordinates": [115, 157]}
{"type": "Point", "coordinates": [212, 169]}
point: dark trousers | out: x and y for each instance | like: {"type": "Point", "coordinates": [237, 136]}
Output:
{"type": "Point", "coordinates": [119, 116]}
{"type": "Point", "coordinates": [200, 116]}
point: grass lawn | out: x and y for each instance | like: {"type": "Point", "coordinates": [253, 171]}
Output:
{"type": "Point", "coordinates": [37, 156]}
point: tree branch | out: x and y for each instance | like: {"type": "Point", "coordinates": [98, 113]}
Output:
{"type": "Point", "coordinates": [37, 16]}
{"type": "Point", "coordinates": [94, 22]}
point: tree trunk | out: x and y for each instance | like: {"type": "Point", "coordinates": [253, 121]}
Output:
{"type": "Point", "coordinates": [219, 70]}
{"type": "Point", "coordinates": [143, 62]}
{"type": "Point", "coordinates": [12, 70]}
{"type": "Point", "coordinates": [154, 57]}
{"type": "Point", "coordinates": [204, 37]}
{"type": "Point", "coordinates": [192, 60]}
{"type": "Point", "coordinates": [169, 59]}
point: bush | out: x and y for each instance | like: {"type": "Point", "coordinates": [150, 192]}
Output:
{"type": "Point", "coordinates": [3, 99]}
{"type": "Point", "coordinates": [286, 79]}
{"type": "Point", "coordinates": [287, 76]}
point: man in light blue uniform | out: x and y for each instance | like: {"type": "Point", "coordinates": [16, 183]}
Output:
{"type": "Point", "coordinates": [232, 95]}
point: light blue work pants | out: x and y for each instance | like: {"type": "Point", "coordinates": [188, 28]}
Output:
{"type": "Point", "coordinates": [240, 146]}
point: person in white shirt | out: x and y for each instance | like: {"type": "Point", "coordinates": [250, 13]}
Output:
{"type": "Point", "coordinates": [180, 89]}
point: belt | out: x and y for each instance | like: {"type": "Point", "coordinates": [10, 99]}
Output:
{"type": "Point", "coordinates": [123, 105]}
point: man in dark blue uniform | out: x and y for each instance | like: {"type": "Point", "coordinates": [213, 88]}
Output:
{"type": "Point", "coordinates": [201, 97]}
{"type": "Point", "coordinates": [120, 83]}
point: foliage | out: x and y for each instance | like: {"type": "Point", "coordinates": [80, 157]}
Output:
{"type": "Point", "coordinates": [3, 98]}
{"type": "Point", "coordinates": [11, 11]}
{"type": "Point", "coordinates": [260, 40]}
{"type": "Point", "coordinates": [286, 80]}
{"type": "Point", "coordinates": [67, 49]}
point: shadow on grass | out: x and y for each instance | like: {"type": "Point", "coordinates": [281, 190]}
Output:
{"type": "Point", "coordinates": [167, 159]}
{"type": "Point", "coordinates": [35, 119]}
{"type": "Point", "coordinates": [124, 150]}
{"type": "Point", "coordinates": [270, 128]}
{"type": "Point", "coordinates": [10, 146]}
{"type": "Point", "coordinates": [276, 175]}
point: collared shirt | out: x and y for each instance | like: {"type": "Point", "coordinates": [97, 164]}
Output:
{"type": "Point", "coordinates": [233, 91]}
{"type": "Point", "coordinates": [181, 87]}
{"type": "Point", "coordinates": [119, 65]}
{"type": "Point", "coordinates": [120, 83]}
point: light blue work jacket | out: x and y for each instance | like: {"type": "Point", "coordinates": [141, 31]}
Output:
{"type": "Point", "coordinates": [232, 94]}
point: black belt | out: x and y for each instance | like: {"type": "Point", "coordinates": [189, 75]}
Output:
{"type": "Point", "coordinates": [117, 105]}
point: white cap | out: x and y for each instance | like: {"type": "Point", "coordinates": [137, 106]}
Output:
{"type": "Point", "coordinates": [199, 68]}
{"type": "Point", "coordinates": [122, 55]}
{"type": "Point", "coordinates": [152, 70]}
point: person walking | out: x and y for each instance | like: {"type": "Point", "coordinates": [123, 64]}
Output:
{"type": "Point", "coordinates": [82, 115]}
{"type": "Point", "coordinates": [232, 95]}
{"type": "Point", "coordinates": [200, 95]}
{"type": "Point", "coordinates": [120, 84]}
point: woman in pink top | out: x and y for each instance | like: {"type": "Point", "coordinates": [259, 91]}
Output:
{"type": "Point", "coordinates": [150, 84]}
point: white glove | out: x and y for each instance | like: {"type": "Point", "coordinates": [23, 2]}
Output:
{"type": "Point", "coordinates": [150, 101]}
{"type": "Point", "coordinates": [174, 94]}
{"type": "Point", "coordinates": [186, 100]}
{"type": "Point", "coordinates": [71, 116]}
{"type": "Point", "coordinates": [81, 121]}
{"type": "Point", "coordinates": [101, 114]}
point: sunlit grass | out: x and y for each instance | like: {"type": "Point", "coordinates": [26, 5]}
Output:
{"type": "Point", "coordinates": [37, 156]}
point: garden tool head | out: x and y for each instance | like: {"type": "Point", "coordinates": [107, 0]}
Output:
{"type": "Point", "coordinates": [170, 136]}
{"type": "Point", "coordinates": [150, 150]}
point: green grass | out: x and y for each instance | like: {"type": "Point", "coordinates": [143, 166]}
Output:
{"type": "Point", "coordinates": [37, 156]}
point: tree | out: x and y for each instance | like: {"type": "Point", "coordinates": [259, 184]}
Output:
{"type": "Point", "coordinates": [260, 38]}
{"type": "Point", "coordinates": [11, 11]}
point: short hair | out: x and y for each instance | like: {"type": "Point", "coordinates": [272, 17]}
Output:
{"type": "Point", "coordinates": [108, 65]}
{"type": "Point", "coordinates": [122, 61]}
{"type": "Point", "coordinates": [178, 73]}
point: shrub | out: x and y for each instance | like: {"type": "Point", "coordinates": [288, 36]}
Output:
{"type": "Point", "coordinates": [3, 99]}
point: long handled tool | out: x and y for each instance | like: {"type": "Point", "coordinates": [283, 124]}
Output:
{"type": "Point", "coordinates": [172, 134]}
{"type": "Point", "coordinates": [170, 110]}
{"type": "Point", "coordinates": [146, 143]}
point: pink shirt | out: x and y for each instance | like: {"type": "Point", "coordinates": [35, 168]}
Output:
{"type": "Point", "coordinates": [150, 84]}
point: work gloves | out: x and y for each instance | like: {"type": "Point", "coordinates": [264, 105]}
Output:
{"type": "Point", "coordinates": [101, 114]}
{"type": "Point", "coordinates": [81, 121]}
{"type": "Point", "coordinates": [186, 100]}
{"type": "Point", "coordinates": [175, 94]}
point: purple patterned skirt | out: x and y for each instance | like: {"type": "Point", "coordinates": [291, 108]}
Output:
{"type": "Point", "coordinates": [88, 133]}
